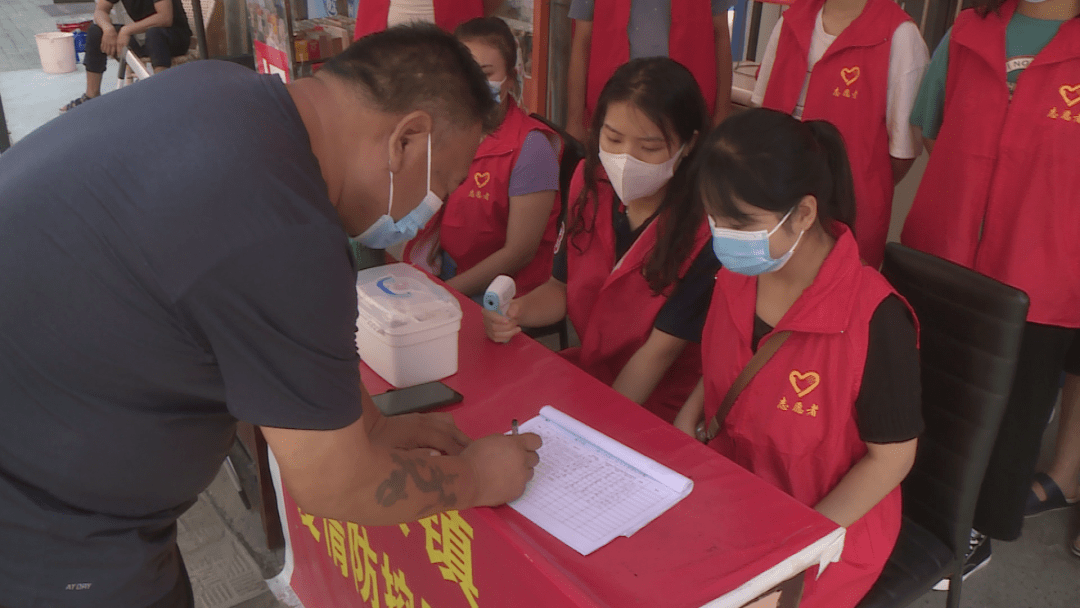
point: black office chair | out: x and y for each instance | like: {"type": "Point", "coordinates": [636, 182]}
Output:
{"type": "Point", "coordinates": [971, 327]}
{"type": "Point", "coordinates": [572, 153]}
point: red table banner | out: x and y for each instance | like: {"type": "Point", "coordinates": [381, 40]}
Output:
{"type": "Point", "coordinates": [730, 530]}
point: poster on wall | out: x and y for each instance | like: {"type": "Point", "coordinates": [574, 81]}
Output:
{"type": "Point", "coordinates": [270, 36]}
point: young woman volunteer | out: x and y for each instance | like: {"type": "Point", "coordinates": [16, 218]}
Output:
{"type": "Point", "coordinates": [832, 415]}
{"type": "Point", "coordinates": [632, 270]}
{"type": "Point", "coordinates": [1001, 195]}
{"type": "Point", "coordinates": [503, 219]}
{"type": "Point", "coordinates": [857, 64]}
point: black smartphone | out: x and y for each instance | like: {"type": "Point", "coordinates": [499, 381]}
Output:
{"type": "Point", "coordinates": [417, 398]}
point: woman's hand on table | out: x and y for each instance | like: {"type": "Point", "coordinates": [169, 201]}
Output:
{"type": "Point", "coordinates": [502, 465]}
{"type": "Point", "coordinates": [687, 425]}
{"type": "Point", "coordinates": [434, 431]}
{"type": "Point", "coordinates": [500, 328]}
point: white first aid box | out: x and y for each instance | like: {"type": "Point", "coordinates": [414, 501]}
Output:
{"type": "Point", "coordinates": [407, 325]}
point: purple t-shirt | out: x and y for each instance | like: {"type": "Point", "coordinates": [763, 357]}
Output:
{"type": "Point", "coordinates": [537, 167]}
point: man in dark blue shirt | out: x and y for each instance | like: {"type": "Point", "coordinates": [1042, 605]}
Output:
{"type": "Point", "coordinates": [157, 290]}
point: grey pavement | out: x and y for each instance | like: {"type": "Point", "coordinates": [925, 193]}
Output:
{"type": "Point", "coordinates": [21, 19]}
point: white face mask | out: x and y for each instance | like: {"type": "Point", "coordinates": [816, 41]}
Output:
{"type": "Point", "coordinates": [386, 232]}
{"type": "Point", "coordinates": [633, 179]}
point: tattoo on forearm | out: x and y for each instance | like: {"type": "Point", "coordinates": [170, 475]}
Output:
{"type": "Point", "coordinates": [394, 487]}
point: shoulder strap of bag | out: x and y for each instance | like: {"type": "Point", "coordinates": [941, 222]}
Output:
{"type": "Point", "coordinates": [764, 352]}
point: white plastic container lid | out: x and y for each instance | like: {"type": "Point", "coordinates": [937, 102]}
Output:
{"type": "Point", "coordinates": [397, 301]}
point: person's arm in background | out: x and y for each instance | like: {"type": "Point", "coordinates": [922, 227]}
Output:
{"type": "Point", "coordinates": [103, 19]}
{"type": "Point", "coordinates": [908, 59]}
{"type": "Point", "coordinates": [379, 471]}
{"type": "Point", "coordinates": [723, 69]}
{"type": "Point", "coordinates": [490, 6]}
{"type": "Point", "coordinates": [639, 377]}
{"type": "Point", "coordinates": [524, 230]}
{"type": "Point", "coordinates": [162, 17]}
{"type": "Point", "coordinates": [577, 79]}
{"type": "Point", "coordinates": [928, 111]}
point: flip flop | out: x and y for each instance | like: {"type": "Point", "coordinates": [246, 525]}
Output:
{"type": "Point", "coordinates": [74, 103]}
{"type": "Point", "coordinates": [1055, 500]}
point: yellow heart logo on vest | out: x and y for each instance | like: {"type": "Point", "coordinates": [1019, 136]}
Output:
{"type": "Point", "coordinates": [804, 383]}
{"type": "Point", "coordinates": [481, 179]}
{"type": "Point", "coordinates": [1071, 95]}
{"type": "Point", "coordinates": [850, 75]}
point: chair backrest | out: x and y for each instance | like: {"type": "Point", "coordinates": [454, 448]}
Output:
{"type": "Point", "coordinates": [572, 153]}
{"type": "Point", "coordinates": [971, 326]}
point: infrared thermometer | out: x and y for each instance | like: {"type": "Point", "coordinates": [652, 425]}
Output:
{"type": "Point", "coordinates": [498, 295]}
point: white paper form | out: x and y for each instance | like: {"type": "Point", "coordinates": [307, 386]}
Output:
{"type": "Point", "coordinates": [589, 488]}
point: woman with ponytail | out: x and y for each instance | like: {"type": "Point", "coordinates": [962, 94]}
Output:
{"type": "Point", "coordinates": [632, 271]}
{"type": "Point", "coordinates": [833, 415]}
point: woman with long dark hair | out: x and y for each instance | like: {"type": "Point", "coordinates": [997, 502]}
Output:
{"type": "Point", "coordinates": [632, 270]}
{"type": "Point", "coordinates": [833, 414]}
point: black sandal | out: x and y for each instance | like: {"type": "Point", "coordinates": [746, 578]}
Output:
{"type": "Point", "coordinates": [1055, 500]}
{"type": "Point", "coordinates": [74, 103]}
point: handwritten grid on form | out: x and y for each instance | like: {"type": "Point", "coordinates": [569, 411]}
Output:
{"type": "Point", "coordinates": [589, 489]}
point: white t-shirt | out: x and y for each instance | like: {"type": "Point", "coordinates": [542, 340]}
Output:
{"type": "Point", "coordinates": [908, 58]}
{"type": "Point", "coordinates": [408, 11]}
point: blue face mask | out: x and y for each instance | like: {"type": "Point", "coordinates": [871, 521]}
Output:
{"type": "Point", "coordinates": [385, 232]}
{"type": "Point", "coordinates": [748, 253]}
{"type": "Point", "coordinates": [495, 86]}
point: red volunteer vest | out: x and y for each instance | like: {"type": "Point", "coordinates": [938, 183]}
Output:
{"type": "Point", "coordinates": [473, 223]}
{"type": "Point", "coordinates": [794, 423]}
{"type": "Point", "coordinates": [691, 42]}
{"type": "Point", "coordinates": [612, 307]}
{"type": "Point", "coordinates": [371, 15]}
{"type": "Point", "coordinates": [1007, 168]}
{"type": "Point", "coordinates": [849, 88]}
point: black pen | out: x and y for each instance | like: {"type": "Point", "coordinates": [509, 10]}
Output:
{"type": "Point", "coordinates": [514, 426]}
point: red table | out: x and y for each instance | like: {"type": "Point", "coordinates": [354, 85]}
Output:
{"type": "Point", "coordinates": [733, 538]}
